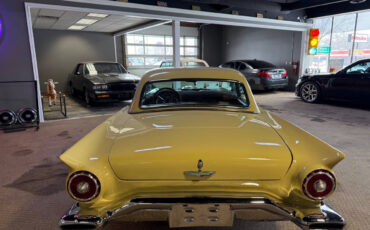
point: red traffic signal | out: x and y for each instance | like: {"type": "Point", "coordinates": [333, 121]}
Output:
{"type": "Point", "coordinates": [315, 32]}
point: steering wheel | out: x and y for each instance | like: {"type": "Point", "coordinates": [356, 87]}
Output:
{"type": "Point", "coordinates": [166, 95]}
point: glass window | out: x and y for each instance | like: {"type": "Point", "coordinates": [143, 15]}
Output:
{"type": "Point", "coordinates": [135, 61]}
{"type": "Point", "coordinates": [194, 64]}
{"type": "Point", "coordinates": [362, 40]}
{"type": "Point", "coordinates": [191, 51]}
{"type": "Point", "coordinates": [169, 40]}
{"type": "Point", "coordinates": [194, 92]}
{"type": "Point", "coordinates": [154, 50]}
{"type": "Point", "coordinates": [169, 51]}
{"type": "Point", "coordinates": [135, 50]}
{"type": "Point", "coordinates": [135, 39]}
{"type": "Point", "coordinates": [154, 40]}
{"type": "Point", "coordinates": [260, 64]}
{"type": "Point", "coordinates": [145, 50]}
{"type": "Point", "coordinates": [154, 61]}
{"type": "Point", "coordinates": [191, 41]}
{"type": "Point", "coordinates": [341, 44]}
{"type": "Point", "coordinates": [361, 68]}
{"type": "Point", "coordinates": [166, 64]}
{"type": "Point", "coordinates": [242, 66]}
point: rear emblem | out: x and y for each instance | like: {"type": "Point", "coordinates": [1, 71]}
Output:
{"type": "Point", "coordinates": [199, 173]}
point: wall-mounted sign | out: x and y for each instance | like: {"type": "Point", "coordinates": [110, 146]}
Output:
{"type": "Point", "coordinates": [259, 15]}
{"type": "Point", "coordinates": [324, 49]}
{"type": "Point", "coordinates": [359, 38]}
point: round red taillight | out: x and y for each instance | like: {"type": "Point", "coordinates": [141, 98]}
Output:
{"type": "Point", "coordinates": [83, 186]}
{"type": "Point", "coordinates": [318, 184]}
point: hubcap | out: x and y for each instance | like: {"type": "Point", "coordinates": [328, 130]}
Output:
{"type": "Point", "coordinates": [309, 92]}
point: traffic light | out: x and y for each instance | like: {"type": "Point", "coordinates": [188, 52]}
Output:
{"type": "Point", "coordinates": [313, 41]}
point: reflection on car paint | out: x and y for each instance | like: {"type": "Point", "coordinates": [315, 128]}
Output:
{"type": "Point", "coordinates": [154, 148]}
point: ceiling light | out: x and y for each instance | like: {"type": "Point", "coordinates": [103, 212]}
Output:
{"type": "Point", "coordinates": [86, 21]}
{"type": "Point", "coordinates": [76, 27]}
{"type": "Point", "coordinates": [357, 1]}
{"type": "Point", "coordinates": [97, 15]}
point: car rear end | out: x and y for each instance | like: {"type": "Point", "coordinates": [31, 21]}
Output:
{"type": "Point", "coordinates": [273, 78]}
{"type": "Point", "coordinates": [139, 168]}
{"type": "Point", "coordinates": [267, 75]}
{"type": "Point", "coordinates": [161, 190]}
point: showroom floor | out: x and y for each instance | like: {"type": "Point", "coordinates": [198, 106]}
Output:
{"type": "Point", "coordinates": [32, 178]}
{"type": "Point", "coordinates": [76, 107]}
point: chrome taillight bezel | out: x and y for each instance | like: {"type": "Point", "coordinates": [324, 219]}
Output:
{"type": "Point", "coordinates": [90, 176]}
{"type": "Point", "coordinates": [315, 173]}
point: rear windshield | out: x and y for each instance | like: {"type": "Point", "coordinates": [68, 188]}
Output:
{"type": "Point", "coordinates": [194, 64]}
{"type": "Point", "coordinates": [166, 64]}
{"type": "Point", "coordinates": [260, 64]}
{"type": "Point", "coordinates": [188, 64]}
{"type": "Point", "coordinates": [194, 92]}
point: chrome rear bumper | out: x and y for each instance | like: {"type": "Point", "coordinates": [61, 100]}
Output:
{"type": "Point", "coordinates": [203, 212]}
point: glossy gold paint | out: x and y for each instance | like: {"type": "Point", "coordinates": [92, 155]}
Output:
{"type": "Point", "coordinates": [143, 153]}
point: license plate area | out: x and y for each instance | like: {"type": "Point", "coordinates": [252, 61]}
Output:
{"type": "Point", "coordinates": [276, 76]}
{"type": "Point", "coordinates": [197, 215]}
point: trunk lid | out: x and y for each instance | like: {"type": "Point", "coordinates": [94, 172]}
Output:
{"type": "Point", "coordinates": [162, 146]}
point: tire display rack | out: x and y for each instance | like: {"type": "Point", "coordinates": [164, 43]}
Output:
{"type": "Point", "coordinates": [24, 117]}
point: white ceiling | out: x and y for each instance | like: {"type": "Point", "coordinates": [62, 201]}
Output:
{"type": "Point", "coordinates": [62, 20]}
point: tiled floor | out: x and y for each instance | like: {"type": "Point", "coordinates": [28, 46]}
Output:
{"type": "Point", "coordinates": [32, 194]}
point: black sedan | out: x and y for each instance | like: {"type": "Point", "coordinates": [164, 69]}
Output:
{"type": "Point", "coordinates": [260, 75]}
{"type": "Point", "coordinates": [351, 83]}
{"type": "Point", "coordinates": [102, 82]}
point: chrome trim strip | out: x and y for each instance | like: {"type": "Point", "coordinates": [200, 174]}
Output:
{"type": "Point", "coordinates": [329, 217]}
{"type": "Point", "coordinates": [87, 174]}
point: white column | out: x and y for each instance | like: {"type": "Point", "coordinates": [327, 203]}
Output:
{"type": "Point", "coordinates": [176, 42]}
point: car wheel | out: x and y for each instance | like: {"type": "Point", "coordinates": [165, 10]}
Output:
{"type": "Point", "coordinates": [310, 92]}
{"type": "Point", "coordinates": [87, 97]}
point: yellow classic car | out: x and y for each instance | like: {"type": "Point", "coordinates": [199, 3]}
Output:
{"type": "Point", "coordinates": [195, 149]}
